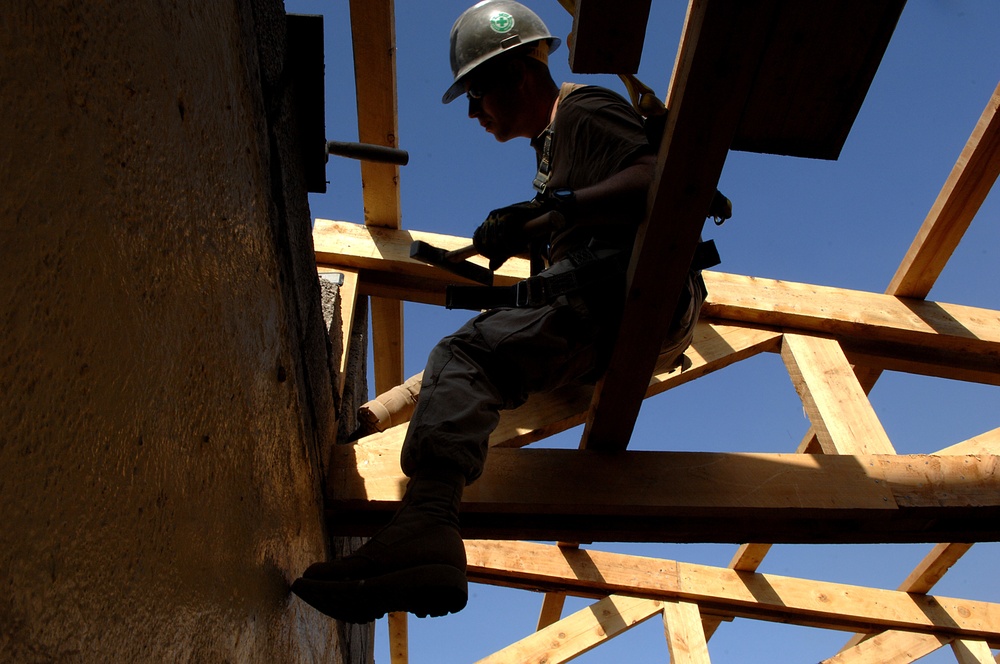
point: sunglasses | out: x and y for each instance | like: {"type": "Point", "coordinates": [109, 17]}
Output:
{"type": "Point", "coordinates": [476, 91]}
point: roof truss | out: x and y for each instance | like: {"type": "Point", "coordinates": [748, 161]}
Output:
{"type": "Point", "coordinates": [833, 342]}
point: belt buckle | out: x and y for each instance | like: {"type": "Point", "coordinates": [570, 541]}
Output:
{"type": "Point", "coordinates": [529, 292]}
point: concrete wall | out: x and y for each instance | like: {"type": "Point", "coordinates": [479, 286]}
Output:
{"type": "Point", "coordinates": [166, 394]}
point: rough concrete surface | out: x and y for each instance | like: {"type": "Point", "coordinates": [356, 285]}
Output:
{"type": "Point", "coordinates": [163, 357]}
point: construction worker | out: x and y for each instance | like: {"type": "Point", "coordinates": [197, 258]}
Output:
{"type": "Point", "coordinates": [595, 166]}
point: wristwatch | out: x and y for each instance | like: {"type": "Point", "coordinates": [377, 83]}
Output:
{"type": "Point", "coordinates": [564, 199]}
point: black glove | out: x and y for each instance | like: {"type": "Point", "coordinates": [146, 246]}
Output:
{"type": "Point", "coordinates": [502, 234]}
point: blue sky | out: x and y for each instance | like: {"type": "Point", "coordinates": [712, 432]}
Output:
{"type": "Point", "coordinates": [844, 223]}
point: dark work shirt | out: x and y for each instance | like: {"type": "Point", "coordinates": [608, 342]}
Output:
{"type": "Point", "coordinates": [596, 133]}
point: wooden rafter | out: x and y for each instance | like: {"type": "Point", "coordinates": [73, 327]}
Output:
{"type": "Point", "coordinates": [939, 339]}
{"type": "Point", "coordinates": [574, 495]}
{"type": "Point", "coordinates": [759, 596]}
{"type": "Point", "coordinates": [868, 341]}
{"type": "Point", "coordinates": [608, 36]}
{"type": "Point", "coordinates": [578, 633]}
{"type": "Point", "coordinates": [373, 33]}
{"type": "Point", "coordinates": [971, 179]}
{"type": "Point", "coordinates": [838, 408]}
{"type": "Point", "coordinates": [721, 44]}
{"type": "Point", "coordinates": [958, 202]}
{"type": "Point", "coordinates": [685, 634]}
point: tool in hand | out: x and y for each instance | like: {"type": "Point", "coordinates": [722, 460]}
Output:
{"type": "Point", "coordinates": [453, 261]}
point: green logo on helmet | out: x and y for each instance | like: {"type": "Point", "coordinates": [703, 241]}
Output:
{"type": "Point", "coordinates": [501, 22]}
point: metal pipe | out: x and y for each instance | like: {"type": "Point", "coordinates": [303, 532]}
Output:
{"type": "Point", "coordinates": [368, 152]}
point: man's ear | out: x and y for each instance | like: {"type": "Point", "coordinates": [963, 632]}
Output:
{"type": "Point", "coordinates": [518, 71]}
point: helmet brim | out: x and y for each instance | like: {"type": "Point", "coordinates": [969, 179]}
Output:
{"type": "Point", "coordinates": [457, 89]}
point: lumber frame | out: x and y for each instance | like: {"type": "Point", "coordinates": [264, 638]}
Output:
{"type": "Point", "coordinates": [920, 336]}
{"type": "Point", "coordinates": [685, 634]}
{"type": "Point", "coordinates": [721, 45]}
{"type": "Point", "coordinates": [373, 34]}
{"type": "Point", "coordinates": [957, 203]}
{"type": "Point", "coordinates": [576, 634]}
{"type": "Point", "coordinates": [590, 573]}
{"type": "Point", "coordinates": [608, 36]}
{"type": "Point", "coordinates": [834, 400]}
{"type": "Point", "coordinates": [818, 357]}
{"type": "Point", "coordinates": [586, 495]}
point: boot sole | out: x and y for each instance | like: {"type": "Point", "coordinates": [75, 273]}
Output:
{"type": "Point", "coordinates": [426, 590]}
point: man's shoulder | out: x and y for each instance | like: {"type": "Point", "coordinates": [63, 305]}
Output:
{"type": "Point", "coordinates": [582, 92]}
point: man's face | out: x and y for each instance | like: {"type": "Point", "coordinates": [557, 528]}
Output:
{"type": "Point", "coordinates": [493, 102]}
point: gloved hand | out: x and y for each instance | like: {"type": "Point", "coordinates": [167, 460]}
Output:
{"type": "Point", "coordinates": [502, 235]}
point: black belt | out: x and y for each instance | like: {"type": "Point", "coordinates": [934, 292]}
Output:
{"type": "Point", "coordinates": [542, 289]}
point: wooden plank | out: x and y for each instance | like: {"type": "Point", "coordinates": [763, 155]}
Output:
{"type": "Point", "coordinates": [958, 202]}
{"type": "Point", "coordinates": [841, 415]}
{"type": "Point", "coordinates": [578, 633]}
{"type": "Point", "coordinates": [931, 327]}
{"type": "Point", "coordinates": [581, 495]}
{"type": "Point", "coordinates": [399, 638]}
{"type": "Point", "coordinates": [891, 647]}
{"type": "Point", "coordinates": [387, 343]}
{"type": "Point", "coordinates": [720, 47]}
{"type": "Point", "coordinates": [968, 651]}
{"type": "Point", "coordinates": [685, 635]}
{"type": "Point", "coordinates": [949, 340]}
{"type": "Point", "coordinates": [385, 250]}
{"type": "Point", "coordinates": [749, 557]}
{"type": "Point", "coordinates": [930, 570]}
{"type": "Point", "coordinates": [373, 30]}
{"type": "Point", "coordinates": [984, 443]}
{"type": "Point", "coordinates": [608, 36]}
{"type": "Point", "coordinates": [714, 347]}
{"type": "Point", "coordinates": [373, 33]}
{"type": "Point", "coordinates": [923, 577]}
{"type": "Point", "coordinates": [746, 559]}
{"type": "Point", "coordinates": [820, 60]}
{"type": "Point", "coordinates": [757, 596]}
{"type": "Point", "coordinates": [552, 606]}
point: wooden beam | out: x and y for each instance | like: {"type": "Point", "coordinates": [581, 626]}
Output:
{"type": "Point", "coordinates": [714, 347]}
{"type": "Point", "coordinates": [891, 647]}
{"type": "Point", "coordinates": [608, 36]}
{"type": "Point", "coordinates": [819, 63]}
{"type": "Point", "coordinates": [958, 202]}
{"type": "Point", "coordinates": [387, 343]}
{"type": "Point", "coordinates": [552, 607]}
{"type": "Point", "coordinates": [758, 596]}
{"type": "Point", "coordinates": [373, 31]}
{"type": "Point", "coordinates": [969, 651]}
{"type": "Point", "coordinates": [984, 443]}
{"type": "Point", "coordinates": [582, 495]}
{"type": "Point", "coordinates": [838, 408]}
{"type": "Point", "coordinates": [939, 331]}
{"type": "Point", "coordinates": [685, 635]}
{"type": "Point", "coordinates": [923, 577]}
{"type": "Point", "coordinates": [930, 570]}
{"type": "Point", "coordinates": [719, 52]}
{"type": "Point", "coordinates": [399, 638]}
{"type": "Point", "coordinates": [387, 251]}
{"type": "Point", "coordinates": [578, 633]}
{"type": "Point", "coordinates": [941, 339]}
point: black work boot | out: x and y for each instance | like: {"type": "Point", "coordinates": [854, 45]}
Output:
{"type": "Point", "coordinates": [416, 563]}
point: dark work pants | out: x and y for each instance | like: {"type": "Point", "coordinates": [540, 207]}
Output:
{"type": "Point", "coordinates": [500, 357]}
